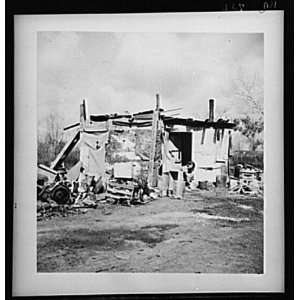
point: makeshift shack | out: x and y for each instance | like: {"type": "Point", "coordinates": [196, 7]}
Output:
{"type": "Point", "coordinates": [138, 145]}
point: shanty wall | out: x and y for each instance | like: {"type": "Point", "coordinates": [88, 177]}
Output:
{"type": "Point", "coordinates": [92, 152]}
{"type": "Point", "coordinates": [100, 151]}
{"type": "Point", "coordinates": [210, 153]}
{"type": "Point", "coordinates": [131, 145]}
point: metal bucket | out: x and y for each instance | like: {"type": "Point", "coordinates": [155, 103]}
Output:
{"type": "Point", "coordinates": [179, 189]}
{"type": "Point", "coordinates": [179, 186]}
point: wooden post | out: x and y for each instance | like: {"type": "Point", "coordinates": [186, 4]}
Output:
{"type": "Point", "coordinates": [229, 153]}
{"type": "Point", "coordinates": [84, 109]}
{"type": "Point", "coordinates": [157, 103]}
{"type": "Point", "coordinates": [211, 110]}
{"type": "Point", "coordinates": [82, 115]}
{"type": "Point", "coordinates": [203, 136]}
{"type": "Point", "coordinates": [152, 174]}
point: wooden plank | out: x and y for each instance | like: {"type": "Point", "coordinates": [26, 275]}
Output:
{"type": "Point", "coordinates": [118, 197]}
{"type": "Point", "coordinates": [65, 151]}
{"type": "Point", "coordinates": [116, 191]}
{"type": "Point", "coordinates": [121, 186]}
{"type": "Point", "coordinates": [83, 115]}
{"type": "Point", "coordinates": [71, 126]}
{"type": "Point", "coordinates": [197, 123]}
{"type": "Point", "coordinates": [152, 177]}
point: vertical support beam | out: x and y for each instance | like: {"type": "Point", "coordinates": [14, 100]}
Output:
{"type": "Point", "coordinates": [152, 171]}
{"type": "Point", "coordinates": [229, 143]}
{"type": "Point", "coordinates": [229, 153]}
{"type": "Point", "coordinates": [157, 103]}
{"type": "Point", "coordinates": [84, 109]}
{"type": "Point", "coordinates": [211, 110]}
{"type": "Point", "coordinates": [82, 115]}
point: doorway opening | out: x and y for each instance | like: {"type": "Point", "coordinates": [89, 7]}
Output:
{"type": "Point", "coordinates": [183, 142]}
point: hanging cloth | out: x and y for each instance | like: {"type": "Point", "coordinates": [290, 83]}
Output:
{"type": "Point", "coordinates": [92, 152]}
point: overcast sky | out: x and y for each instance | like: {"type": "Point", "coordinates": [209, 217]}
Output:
{"type": "Point", "coordinates": [123, 71]}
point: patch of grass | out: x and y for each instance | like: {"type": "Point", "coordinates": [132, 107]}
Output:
{"type": "Point", "coordinates": [66, 245]}
{"type": "Point", "coordinates": [229, 207]}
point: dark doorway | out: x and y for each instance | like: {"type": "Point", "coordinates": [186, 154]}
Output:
{"type": "Point", "coordinates": [183, 141]}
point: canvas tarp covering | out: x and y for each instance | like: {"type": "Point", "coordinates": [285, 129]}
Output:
{"type": "Point", "coordinates": [73, 173]}
{"type": "Point", "coordinates": [222, 147]}
{"type": "Point", "coordinates": [92, 152]}
{"type": "Point", "coordinates": [205, 154]}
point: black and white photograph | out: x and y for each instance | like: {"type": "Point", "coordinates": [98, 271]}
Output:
{"type": "Point", "coordinates": [150, 152]}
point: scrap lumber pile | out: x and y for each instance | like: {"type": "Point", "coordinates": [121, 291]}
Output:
{"type": "Point", "coordinates": [128, 192]}
{"type": "Point", "coordinates": [121, 192]}
{"type": "Point", "coordinates": [248, 181]}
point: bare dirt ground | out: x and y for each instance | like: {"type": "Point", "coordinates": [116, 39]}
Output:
{"type": "Point", "coordinates": [203, 233]}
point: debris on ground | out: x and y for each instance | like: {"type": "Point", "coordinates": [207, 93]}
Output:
{"type": "Point", "coordinates": [61, 197]}
{"type": "Point", "coordinates": [247, 180]}
{"type": "Point", "coordinates": [130, 192]}
{"type": "Point", "coordinates": [47, 210]}
{"type": "Point", "coordinates": [121, 192]}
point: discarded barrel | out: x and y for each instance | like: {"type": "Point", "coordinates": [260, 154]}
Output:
{"type": "Point", "coordinates": [179, 190]}
{"type": "Point", "coordinates": [180, 186]}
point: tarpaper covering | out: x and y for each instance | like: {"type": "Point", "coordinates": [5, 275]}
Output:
{"type": "Point", "coordinates": [73, 173]}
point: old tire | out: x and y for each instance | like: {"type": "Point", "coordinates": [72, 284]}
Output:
{"type": "Point", "coordinates": [60, 194]}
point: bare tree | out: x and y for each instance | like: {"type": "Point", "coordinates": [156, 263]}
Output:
{"type": "Point", "coordinates": [54, 135]}
{"type": "Point", "coordinates": [249, 89]}
{"type": "Point", "coordinates": [52, 143]}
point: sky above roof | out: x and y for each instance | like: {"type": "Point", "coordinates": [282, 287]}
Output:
{"type": "Point", "coordinates": [117, 72]}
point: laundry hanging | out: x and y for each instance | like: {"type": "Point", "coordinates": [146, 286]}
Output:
{"type": "Point", "coordinates": [222, 147]}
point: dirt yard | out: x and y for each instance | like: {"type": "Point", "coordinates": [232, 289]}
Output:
{"type": "Point", "coordinates": [204, 233]}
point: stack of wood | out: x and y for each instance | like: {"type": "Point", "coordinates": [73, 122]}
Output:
{"type": "Point", "coordinates": [121, 192]}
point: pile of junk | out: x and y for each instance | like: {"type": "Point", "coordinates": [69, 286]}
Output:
{"type": "Point", "coordinates": [58, 195]}
{"type": "Point", "coordinates": [247, 180]}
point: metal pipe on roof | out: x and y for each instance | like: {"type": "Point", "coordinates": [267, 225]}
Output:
{"type": "Point", "coordinates": [157, 102]}
{"type": "Point", "coordinates": [211, 110]}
